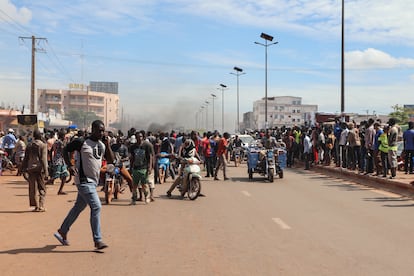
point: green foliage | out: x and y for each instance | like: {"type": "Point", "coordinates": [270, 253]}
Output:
{"type": "Point", "coordinates": [400, 114]}
{"type": "Point", "coordinates": [83, 119]}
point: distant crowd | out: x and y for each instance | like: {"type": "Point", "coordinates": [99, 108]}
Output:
{"type": "Point", "coordinates": [370, 147]}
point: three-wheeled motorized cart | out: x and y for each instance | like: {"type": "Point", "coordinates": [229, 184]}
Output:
{"type": "Point", "coordinates": [266, 162]}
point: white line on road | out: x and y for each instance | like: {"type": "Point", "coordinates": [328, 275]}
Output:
{"type": "Point", "coordinates": [246, 193]}
{"type": "Point", "coordinates": [281, 223]}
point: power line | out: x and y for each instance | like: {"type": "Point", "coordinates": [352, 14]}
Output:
{"type": "Point", "coordinates": [15, 23]}
{"type": "Point", "coordinates": [60, 65]}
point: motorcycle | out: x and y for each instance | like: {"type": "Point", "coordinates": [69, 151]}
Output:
{"type": "Point", "coordinates": [263, 162]}
{"type": "Point", "coordinates": [113, 180]}
{"type": "Point", "coordinates": [6, 163]}
{"type": "Point", "coordinates": [164, 166]}
{"type": "Point", "coordinates": [237, 156]}
{"type": "Point", "coordinates": [192, 172]}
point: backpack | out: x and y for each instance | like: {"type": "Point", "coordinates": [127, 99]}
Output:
{"type": "Point", "coordinates": [140, 158]}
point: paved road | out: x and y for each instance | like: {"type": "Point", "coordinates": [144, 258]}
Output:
{"type": "Point", "coordinates": [304, 224]}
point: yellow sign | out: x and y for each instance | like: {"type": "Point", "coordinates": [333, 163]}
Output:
{"type": "Point", "coordinates": [76, 86]}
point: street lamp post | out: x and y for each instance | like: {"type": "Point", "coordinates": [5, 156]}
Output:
{"type": "Point", "coordinates": [202, 116]}
{"type": "Point", "coordinates": [207, 103]}
{"type": "Point", "coordinates": [238, 73]}
{"type": "Point", "coordinates": [342, 64]}
{"type": "Point", "coordinates": [214, 97]}
{"type": "Point", "coordinates": [267, 38]}
{"type": "Point", "coordinates": [222, 88]}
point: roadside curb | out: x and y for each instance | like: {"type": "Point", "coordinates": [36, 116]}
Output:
{"type": "Point", "coordinates": [391, 185]}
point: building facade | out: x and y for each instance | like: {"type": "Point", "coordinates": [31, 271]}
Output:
{"type": "Point", "coordinates": [281, 111]}
{"type": "Point", "coordinates": [104, 103]}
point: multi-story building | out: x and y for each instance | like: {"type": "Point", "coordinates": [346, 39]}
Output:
{"type": "Point", "coordinates": [281, 111]}
{"type": "Point", "coordinates": [99, 97]}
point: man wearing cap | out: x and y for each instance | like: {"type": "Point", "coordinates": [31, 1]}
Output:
{"type": "Point", "coordinates": [9, 143]}
{"type": "Point", "coordinates": [392, 147]}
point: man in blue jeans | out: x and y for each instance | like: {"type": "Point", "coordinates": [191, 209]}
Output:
{"type": "Point", "coordinates": [88, 163]}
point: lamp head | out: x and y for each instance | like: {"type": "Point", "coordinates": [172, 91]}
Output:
{"type": "Point", "coordinates": [266, 36]}
{"type": "Point", "coordinates": [238, 69]}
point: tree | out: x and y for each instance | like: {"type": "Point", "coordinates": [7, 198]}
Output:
{"type": "Point", "coordinates": [81, 118]}
{"type": "Point", "coordinates": [400, 114]}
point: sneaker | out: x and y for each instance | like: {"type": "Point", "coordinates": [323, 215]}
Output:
{"type": "Point", "coordinates": [168, 194]}
{"type": "Point", "coordinates": [216, 178]}
{"type": "Point", "coordinates": [61, 238]}
{"type": "Point", "coordinates": [100, 245]}
{"type": "Point", "coordinates": [133, 202]}
{"type": "Point", "coordinates": [226, 178]}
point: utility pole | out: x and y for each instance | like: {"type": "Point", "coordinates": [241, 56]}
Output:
{"type": "Point", "coordinates": [32, 87]}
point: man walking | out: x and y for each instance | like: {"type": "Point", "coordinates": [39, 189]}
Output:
{"type": "Point", "coordinates": [221, 154]}
{"type": "Point", "coordinates": [142, 160]}
{"type": "Point", "coordinates": [89, 161]}
{"type": "Point", "coordinates": [35, 164]}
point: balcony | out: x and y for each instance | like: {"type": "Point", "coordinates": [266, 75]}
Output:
{"type": "Point", "coordinates": [77, 103]}
{"type": "Point", "coordinates": [53, 102]}
{"type": "Point", "coordinates": [52, 92]}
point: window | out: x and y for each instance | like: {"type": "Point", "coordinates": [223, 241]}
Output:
{"type": "Point", "coordinates": [298, 111]}
{"type": "Point", "coordinates": [293, 111]}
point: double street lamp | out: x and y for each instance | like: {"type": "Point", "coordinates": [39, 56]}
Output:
{"type": "Point", "coordinates": [267, 38]}
{"type": "Point", "coordinates": [222, 88]}
{"type": "Point", "coordinates": [238, 73]}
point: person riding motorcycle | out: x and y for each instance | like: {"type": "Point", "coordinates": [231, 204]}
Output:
{"type": "Point", "coordinates": [186, 151]}
{"type": "Point", "coordinates": [121, 154]}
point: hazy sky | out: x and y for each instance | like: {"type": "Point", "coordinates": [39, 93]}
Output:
{"type": "Point", "coordinates": [169, 56]}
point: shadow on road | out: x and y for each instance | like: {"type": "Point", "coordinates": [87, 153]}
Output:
{"type": "Point", "coordinates": [16, 212]}
{"type": "Point", "coordinates": [45, 249]}
{"type": "Point", "coordinates": [387, 199]}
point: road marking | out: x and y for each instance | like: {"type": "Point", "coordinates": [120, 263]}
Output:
{"type": "Point", "coordinates": [281, 223]}
{"type": "Point", "coordinates": [246, 193]}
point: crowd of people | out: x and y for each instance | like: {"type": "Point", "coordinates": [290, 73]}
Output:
{"type": "Point", "coordinates": [369, 147]}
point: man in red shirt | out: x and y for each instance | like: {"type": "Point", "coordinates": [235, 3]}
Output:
{"type": "Point", "coordinates": [221, 155]}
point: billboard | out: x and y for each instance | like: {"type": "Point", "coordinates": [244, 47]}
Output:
{"type": "Point", "coordinates": [26, 125]}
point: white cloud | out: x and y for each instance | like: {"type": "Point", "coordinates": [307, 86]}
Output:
{"type": "Point", "coordinates": [9, 12]}
{"type": "Point", "coordinates": [373, 58]}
